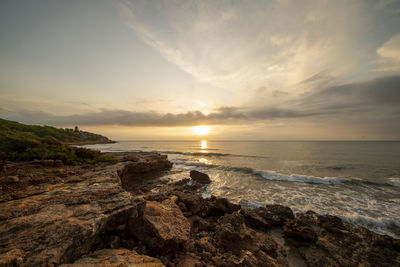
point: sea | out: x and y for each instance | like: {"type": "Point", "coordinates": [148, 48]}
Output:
{"type": "Point", "coordinates": [358, 181]}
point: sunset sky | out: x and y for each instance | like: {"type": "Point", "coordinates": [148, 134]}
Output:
{"type": "Point", "coordinates": [262, 70]}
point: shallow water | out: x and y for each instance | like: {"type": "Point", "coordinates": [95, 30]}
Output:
{"type": "Point", "coordinates": [357, 181]}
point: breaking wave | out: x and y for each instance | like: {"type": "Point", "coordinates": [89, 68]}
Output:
{"type": "Point", "coordinates": [276, 176]}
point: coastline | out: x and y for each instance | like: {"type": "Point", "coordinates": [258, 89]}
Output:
{"type": "Point", "coordinates": [88, 214]}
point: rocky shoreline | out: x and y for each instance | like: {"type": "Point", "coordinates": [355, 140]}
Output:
{"type": "Point", "coordinates": [124, 214]}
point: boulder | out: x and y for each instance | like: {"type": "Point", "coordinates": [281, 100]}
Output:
{"type": "Point", "coordinates": [200, 177]}
{"type": "Point", "coordinates": [161, 226]}
{"type": "Point", "coordinates": [115, 258]}
{"type": "Point", "coordinates": [137, 173]}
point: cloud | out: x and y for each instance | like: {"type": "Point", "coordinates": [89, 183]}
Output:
{"type": "Point", "coordinates": [390, 52]}
{"type": "Point", "coordinates": [241, 44]}
{"type": "Point", "coordinates": [374, 103]}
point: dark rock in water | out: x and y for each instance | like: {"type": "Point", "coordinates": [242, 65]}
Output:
{"type": "Point", "coordinates": [115, 258]}
{"type": "Point", "coordinates": [200, 177]}
{"type": "Point", "coordinates": [161, 226]}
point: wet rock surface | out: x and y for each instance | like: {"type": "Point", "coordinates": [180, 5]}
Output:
{"type": "Point", "coordinates": [82, 216]}
{"type": "Point", "coordinates": [200, 177]}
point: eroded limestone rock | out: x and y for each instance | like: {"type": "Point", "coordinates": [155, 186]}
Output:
{"type": "Point", "coordinates": [161, 226]}
{"type": "Point", "coordinates": [115, 258]}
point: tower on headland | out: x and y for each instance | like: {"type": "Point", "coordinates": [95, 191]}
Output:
{"type": "Point", "coordinates": [76, 129]}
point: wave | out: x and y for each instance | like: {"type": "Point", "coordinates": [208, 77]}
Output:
{"type": "Point", "coordinates": [298, 178]}
{"type": "Point", "coordinates": [271, 175]}
{"type": "Point", "coordinates": [378, 225]}
{"type": "Point", "coordinates": [394, 181]}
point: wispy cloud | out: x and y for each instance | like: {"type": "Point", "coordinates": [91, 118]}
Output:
{"type": "Point", "coordinates": [239, 44]}
{"type": "Point", "coordinates": [390, 53]}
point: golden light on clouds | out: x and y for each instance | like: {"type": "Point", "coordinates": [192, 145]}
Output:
{"type": "Point", "coordinates": [202, 129]}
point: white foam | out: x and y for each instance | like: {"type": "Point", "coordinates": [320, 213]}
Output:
{"type": "Point", "coordinates": [270, 175]}
{"type": "Point", "coordinates": [394, 181]}
{"type": "Point", "coordinates": [378, 225]}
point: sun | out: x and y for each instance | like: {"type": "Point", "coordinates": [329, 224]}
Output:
{"type": "Point", "coordinates": [202, 129]}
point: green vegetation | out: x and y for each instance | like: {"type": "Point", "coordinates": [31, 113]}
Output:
{"type": "Point", "coordinates": [20, 142]}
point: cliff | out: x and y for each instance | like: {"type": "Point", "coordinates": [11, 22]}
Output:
{"type": "Point", "coordinates": [84, 216]}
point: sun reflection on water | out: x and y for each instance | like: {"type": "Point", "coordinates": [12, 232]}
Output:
{"type": "Point", "coordinates": [203, 146]}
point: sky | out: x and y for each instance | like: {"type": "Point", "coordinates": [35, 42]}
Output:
{"type": "Point", "coordinates": [251, 70]}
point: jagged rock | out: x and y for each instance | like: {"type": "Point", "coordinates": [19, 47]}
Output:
{"type": "Point", "coordinates": [193, 202]}
{"type": "Point", "coordinates": [204, 244]}
{"type": "Point", "coordinates": [200, 177]}
{"type": "Point", "coordinates": [326, 240]}
{"type": "Point", "coordinates": [161, 226]}
{"type": "Point", "coordinates": [133, 175]}
{"type": "Point", "coordinates": [299, 230]}
{"type": "Point", "coordinates": [264, 218]}
{"type": "Point", "coordinates": [115, 258]}
{"type": "Point", "coordinates": [232, 234]}
{"type": "Point", "coordinates": [64, 221]}
{"type": "Point", "coordinates": [199, 224]}
{"type": "Point", "coordinates": [217, 207]}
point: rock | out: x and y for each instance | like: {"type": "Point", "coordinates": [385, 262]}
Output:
{"type": "Point", "coordinates": [57, 222]}
{"type": "Point", "coordinates": [199, 224]}
{"type": "Point", "coordinates": [14, 257]}
{"type": "Point", "coordinates": [204, 244]}
{"type": "Point", "coordinates": [13, 179]}
{"type": "Point", "coordinates": [47, 162]}
{"type": "Point", "coordinates": [254, 220]}
{"type": "Point", "coordinates": [117, 258]}
{"type": "Point", "coordinates": [190, 260]}
{"type": "Point", "coordinates": [300, 232]}
{"type": "Point", "coordinates": [200, 177]}
{"type": "Point", "coordinates": [232, 234]}
{"type": "Point", "coordinates": [161, 226]}
{"type": "Point", "coordinates": [331, 223]}
{"type": "Point", "coordinates": [282, 212]}
{"type": "Point", "coordinates": [193, 202]}
{"type": "Point", "coordinates": [136, 174]}
{"type": "Point", "coordinates": [264, 218]}
{"type": "Point", "coordinates": [217, 207]}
